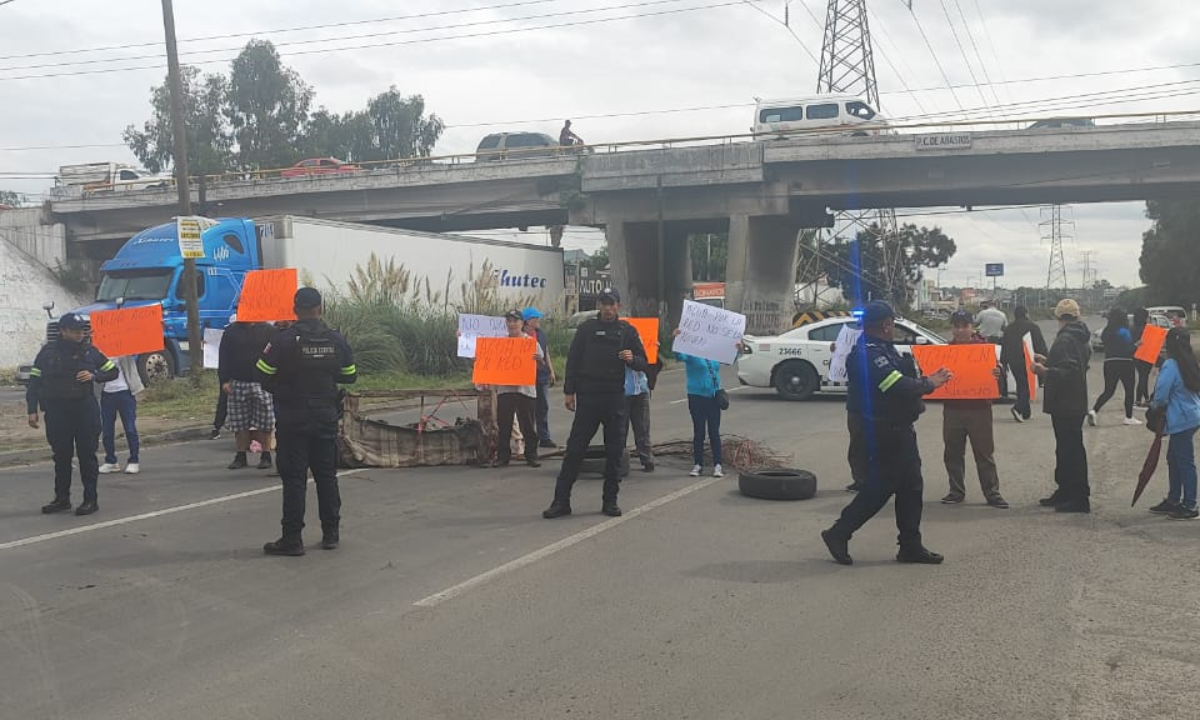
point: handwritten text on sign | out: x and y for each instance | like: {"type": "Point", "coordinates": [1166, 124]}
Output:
{"type": "Point", "coordinates": [1153, 338]}
{"type": "Point", "coordinates": [972, 366]}
{"type": "Point", "coordinates": [505, 361]}
{"type": "Point", "coordinates": [647, 329]}
{"type": "Point", "coordinates": [267, 296]}
{"type": "Point", "coordinates": [128, 331]}
{"type": "Point", "coordinates": [710, 333]}
{"type": "Point", "coordinates": [471, 327]}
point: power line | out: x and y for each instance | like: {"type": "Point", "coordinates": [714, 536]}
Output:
{"type": "Point", "coordinates": [418, 41]}
{"type": "Point", "coordinates": [936, 61]}
{"type": "Point", "coordinates": [786, 26]}
{"type": "Point", "coordinates": [987, 34]}
{"type": "Point", "coordinates": [962, 51]}
{"type": "Point", "coordinates": [877, 22]}
{"type": "Point", "coordinates": [344, 38]}
{"type": "Point", "coordinates": [974, 46]}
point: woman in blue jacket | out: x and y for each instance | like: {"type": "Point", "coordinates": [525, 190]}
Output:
{"type": "Point", "coordinates": [1118, 365]}
{"type": "Point", "coordinates": [1176, 393]}
{"type": "Point", "coordinates": [703, 382]}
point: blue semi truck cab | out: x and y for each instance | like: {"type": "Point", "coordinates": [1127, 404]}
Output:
{"type": "Point", "coordinates": [148, 269]}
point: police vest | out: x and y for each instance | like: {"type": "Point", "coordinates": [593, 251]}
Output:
{"type": "Point", "coordinates": [601, 354]}
{"type": "Point", "coordinates": [309, 370]}
{"type": "Point", "coordinates": [59, 368]}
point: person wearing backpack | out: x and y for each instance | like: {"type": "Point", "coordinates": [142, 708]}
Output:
{"type": "Point", "coordinates": [1177, 402]}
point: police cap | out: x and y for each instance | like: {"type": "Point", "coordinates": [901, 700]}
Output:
{"type": "Point", "coordinates": [610, 295]}
{"type": "Point", "coordinates": [307, 298]}
{"type": "Point", "coordinates": [876, 312]}
{"type": "Point", "coordinates": [72, 321]}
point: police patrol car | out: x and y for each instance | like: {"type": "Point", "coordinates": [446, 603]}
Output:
{"type": "Point", "coordinates": [796, 363]}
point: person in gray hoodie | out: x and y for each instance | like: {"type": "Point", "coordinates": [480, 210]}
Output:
{"type": "Point", "coordinates": [1066, 402]}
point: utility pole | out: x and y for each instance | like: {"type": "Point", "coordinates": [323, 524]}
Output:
{"type": "Point", "coordinates": [1087, 269]}
{"type": "Point", "coordinates": [179, 130]}
{"type": "Point", "coordinates": [1051, 227]}
{"type": "Point", "coordinates": [848, 66]}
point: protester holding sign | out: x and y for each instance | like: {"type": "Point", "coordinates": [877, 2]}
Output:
{"type": "Point", "coordinates": [637, 415]}
{"type": "Point", "coordinates": [251, 409]}
{"type": "Point", "coordinates": [119, 397]}
{"type": "Point", "coordinates": [545, 376]}
{"type": "Point", "coordinates": [519, 400]}
{"type": "Point", "coordinates": [969, 419]}
{"type": "Point", "coordinates": [704, 395]}
{"type": "Point", "coordinates": [1176, 398]}
{"type": "Point", "coordinates": [1065, 371]}
{"type": "Point", "coordinates": [1141, 318]}
{"type": "Point", "coordinates": [1012, 357]}
{"type": "Point", "coordinates": [60, 383]}
{"type": "Point", "coordinates": [595, 391]}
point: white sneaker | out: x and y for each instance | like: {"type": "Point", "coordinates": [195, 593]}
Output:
{"type": "Point", "coordinates": [132, 469]}
{"type": "Point", "coordinates": [1092, 418]}
{"type": "Point", "coordinates": [695, 471]}
{"type": "Point", "coordinates": [1132, 421]}
{"type": "Point", "coordinates": [107, 468]}
{"type": "Point", "coordinates": [718, 471]}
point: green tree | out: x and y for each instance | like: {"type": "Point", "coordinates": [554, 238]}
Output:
{"type": "Point", "coordinates": [12, 198]}
{"type": "Point", "coordinates": [1170, 264]}
{"type": "Point", "coordinates": [859, 269]}
{"type": "Point", "coordinates": [709, 256]}
{"type": "Point", "coordinates": [268, 108]}
{"type": "Point", "coordinates": [209, 141]}
{"type": "Point", "coordinates": [392, 126]}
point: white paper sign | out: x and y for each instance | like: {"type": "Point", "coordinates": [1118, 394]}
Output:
{"type": "Point", "coordinates": [212, 348]}
{"type": "Point", "coordinates": [709, 332]}
{"type": "Point", "coordinates": [841, 352]}
{"type": "Point", "coordinates": [189, 231]}
{"type": "Point", "coordinates": [476, 326]}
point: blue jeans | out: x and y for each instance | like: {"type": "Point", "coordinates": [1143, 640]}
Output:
{"type": "Point", "coordinates": [1181, 467]}
{"type": "Point", "coordinates": [706, 415]}
{"type": "Point", "coordinates": [542, 410]}
{"type": "Point", "coordinates": [111, 405]}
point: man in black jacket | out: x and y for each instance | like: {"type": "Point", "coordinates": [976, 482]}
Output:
{"type": "Point", "coordinates": [595, 392]}
{"type": "Point", "coordinates": [1066, 402]}
{"type": "Point", "coordinates": [1012, 357]}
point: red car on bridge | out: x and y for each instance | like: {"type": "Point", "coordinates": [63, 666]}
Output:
{"type": "Point", "coordinates": [318, 166]}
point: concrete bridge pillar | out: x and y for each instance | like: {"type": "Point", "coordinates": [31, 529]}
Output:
{"type": "Point", "coordinates": [760, 274]}
{"type": "Point", "coordinates": [633, 251]}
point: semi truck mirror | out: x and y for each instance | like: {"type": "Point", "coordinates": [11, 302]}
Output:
{"type": "Point", "coordinates": [48, 306]}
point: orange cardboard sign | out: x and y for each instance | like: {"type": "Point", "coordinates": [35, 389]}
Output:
{"type": "Point", "coordinates": [971, 365]}
{"type": "Point", "coordinates": [505, 361]}
{"type": "Point", "coordinates": [1153, 338]}
{"type": "Point", "coordinates": [267, 296]}
{"type": "Point", "coordinates": [128, 331]}
{"type": "Point", "coordinates": [647, 329]}
{"type": "Point", "coordinates": [1032, 378]}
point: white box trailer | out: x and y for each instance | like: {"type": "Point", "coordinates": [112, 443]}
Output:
{"type": "Point", "coordinates": [330, 252]}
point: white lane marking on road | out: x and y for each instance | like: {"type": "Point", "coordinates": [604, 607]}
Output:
{"type": "Point", "coordinates": [676, 402]}
{"type": "Point", "coordinates": [536, 555]}
{"type": "Point", "coordinates": [735, 389]}
{"type": "Point", "coordinates": [147, 516]}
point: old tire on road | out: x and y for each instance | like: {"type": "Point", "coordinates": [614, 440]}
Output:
{"type": "Point", "coordinates": [783, 484]}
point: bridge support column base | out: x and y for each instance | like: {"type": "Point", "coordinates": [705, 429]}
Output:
{"type": "Point", "coordinates": [760, 274]}
{"type": "Point", "coordinates": [633, 250]}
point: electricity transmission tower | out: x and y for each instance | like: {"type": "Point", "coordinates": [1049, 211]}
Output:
{"type": "Point", "coordinates": [1051, 226]}
{"type": "Point", "coordinates": [848, 66]}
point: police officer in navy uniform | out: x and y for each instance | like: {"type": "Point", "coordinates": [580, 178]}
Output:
{"type": "Point", "coordinates": [885, 389]}
{"type": "Point", "coordinates": [62, 382]}
{"type": "Point", "coordinates": [594, 390]}
{"type": "Point", "coordinates": [302, 367]}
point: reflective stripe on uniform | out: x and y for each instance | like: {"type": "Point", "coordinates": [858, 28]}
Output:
{"type": "Point", "coordinates": [35, 372]}
{"type": "Point", "coordinates": [892, 378]}
{"type": "Point", "coordinates": [262, 365]}
{"type": "Point", "coordinates": [108, 365]}
{"type": "Point", "coordinates": [349, 370]}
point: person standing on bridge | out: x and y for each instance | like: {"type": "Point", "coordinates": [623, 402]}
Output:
{"type": "Point", "coordinates": [594, 390]}
{"type": "Point", "coordinates": [61, 384]}
{"type": "Point", "coordinates": [886, 390]}
{"type": "Point", "coordinates": [1066, 402]}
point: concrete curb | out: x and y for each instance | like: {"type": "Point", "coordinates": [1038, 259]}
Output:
{"type": "Point", "coordinates": [30, 456]}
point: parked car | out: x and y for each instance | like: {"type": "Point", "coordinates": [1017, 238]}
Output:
{"type": "Point", "coordinates": [318, 166]}
{"type": "Point", "coordinates": [517, 145]}
{"type": "Point", "coordinates": [1059, 123]}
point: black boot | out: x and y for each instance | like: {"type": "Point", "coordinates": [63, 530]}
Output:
{"type": "Point", "coordinates": [59, 505]}
{"type": "Point", "coordinates": [1080, 505]}
{"type": "Point", "coordinates": [264, 461]}
{"type": "Point", "coordinates": [287, 545]}
{"type": "Point", "coordinates": [557, 509]}
{"type": "Point", "coordinates": [1055, 498]}
{"type": "Point", "coordinates": [87, 507]}
{"type": "Point", "coordinates": [329, 537]}
{"type": "Point", "coordinates": [611, 509]}
{"type": "Point", "coordinates": [838, 546]}
{"type": "Point", "coordinates": [239, 461]}
{"type": "Point", "coordinates": [919, 555]}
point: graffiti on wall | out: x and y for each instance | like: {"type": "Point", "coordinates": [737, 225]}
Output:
{"type": "Point", "coordinates": [764, 317]}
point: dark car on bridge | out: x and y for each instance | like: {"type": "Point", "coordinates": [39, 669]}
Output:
{"type": "Point", "coordinates": [318, 166]}
{"type": "Point", "coordinates": [517, 145]}
{"type": "Point", "coordinates": [1060, 123]}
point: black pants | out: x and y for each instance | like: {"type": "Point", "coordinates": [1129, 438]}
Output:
{"type": "Point", "coordinates": [1143, 369]}
{"type": "Point", "coordinates": [894, 468]}
{"type": "Point", "coordinates": [1117, 371]}
{"type": "Point", "coordinates": [856, 454]}
{"type": "Point", "coordinates": [222, 409]}
{"type": "Point", "coordinates": [1021, 378]}
{"type": "Point", "coordinates": [592, 411]}
{"type": "Point", "coordinates": [542, 413]}
{"type": "Point", "coordinates": [299, 449]}
{"type": "Point", "coordinates": [73, 429]}
{"type": "Point", "coordinates": [523, 407]}
{"type": "Point", "coordinates": [1071, 464]}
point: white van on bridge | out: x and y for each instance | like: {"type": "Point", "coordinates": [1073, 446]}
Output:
{"type": "Point", "coordinates": [848, 113]}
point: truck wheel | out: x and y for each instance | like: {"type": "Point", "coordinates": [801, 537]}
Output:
{"type": "Point", "coordinates": [156, 367]}
{"type": "Point", "coordinates": [778, 484]}
{"type": "Point", "coordinates": [797, 380]}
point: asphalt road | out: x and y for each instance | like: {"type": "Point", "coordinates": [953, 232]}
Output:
{"type": "Point", "coordinates": [451, 598]}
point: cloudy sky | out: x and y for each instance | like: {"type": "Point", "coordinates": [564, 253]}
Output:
{"type": "Point", "coordinates": [623, 70]}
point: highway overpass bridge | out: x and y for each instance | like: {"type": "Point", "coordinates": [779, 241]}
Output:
{"type": "Point", "coordinates": [761, 192]}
